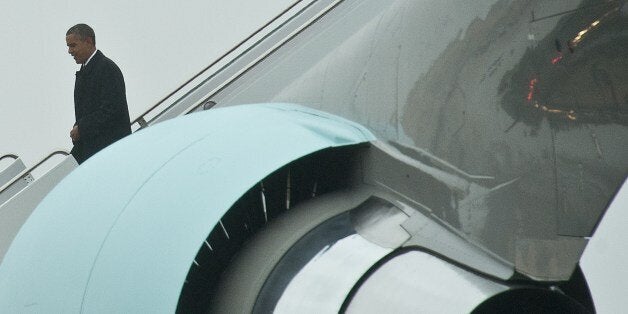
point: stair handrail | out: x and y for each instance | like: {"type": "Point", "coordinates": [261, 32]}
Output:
{"type": "Point", "coordinates": [12, 156]}
{"type": "Point", "coordinates": [26, 172]}
{"type": "Point", "coordinates": [143, 123]}
{"type": "Point", "coordinates": [208, 103]}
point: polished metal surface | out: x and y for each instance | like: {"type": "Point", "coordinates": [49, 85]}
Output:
{"type": "Point", "coordinates": [531, 93]}
{"type": "Point", "coordinates": [323, 283]}
{"type": "Point", "coordinates": [320, 269]}
{"type": "Point", "coordinates": [329, 255]}
{"type": "Point", "coordinates": [381, 222]}
{"type": "Point", "coordinates": [287, 250]}
{"type": "Point", "coordinates": [417, 282]}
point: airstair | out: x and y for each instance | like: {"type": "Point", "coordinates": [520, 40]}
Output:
{"type": "Point", "coordinates": [21, 191]}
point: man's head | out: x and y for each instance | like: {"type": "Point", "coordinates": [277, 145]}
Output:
{"type": "Point", "coordinates": [81, 42]}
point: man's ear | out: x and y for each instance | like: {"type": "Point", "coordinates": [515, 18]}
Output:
{"type": "Point", "coordinates": [90, 40]}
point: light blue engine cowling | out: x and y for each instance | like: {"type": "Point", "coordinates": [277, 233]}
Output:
{"type": "Point", "coordinates": [119, 234]}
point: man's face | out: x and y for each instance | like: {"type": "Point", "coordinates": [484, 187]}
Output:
{"type": "Point", "coordinates": [79, 49]}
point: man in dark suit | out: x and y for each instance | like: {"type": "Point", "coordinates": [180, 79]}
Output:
{"type": "Point", "coordinates": [100, 107]}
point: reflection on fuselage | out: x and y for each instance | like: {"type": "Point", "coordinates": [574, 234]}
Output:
{"type": "Point", "coordinates": [539, 105]}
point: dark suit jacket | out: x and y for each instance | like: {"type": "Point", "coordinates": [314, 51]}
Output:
{"type": "Point", "coordinates": [100, 107]}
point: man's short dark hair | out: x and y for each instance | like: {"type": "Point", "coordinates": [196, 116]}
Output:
{"type": "Point", "coordinates": [83, 31]}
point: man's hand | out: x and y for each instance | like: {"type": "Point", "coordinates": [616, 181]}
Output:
{"type": "Point", "coordinates": [74, 134]}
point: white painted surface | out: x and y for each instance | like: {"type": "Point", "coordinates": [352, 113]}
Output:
{"type": "Point", "coordinates": [604, 259]}
{"type": "Point", "coordinates": [17, 209]}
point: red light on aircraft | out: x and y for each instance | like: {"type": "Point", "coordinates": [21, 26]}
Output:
{"type": "Point", "coordinates": [531, 86]}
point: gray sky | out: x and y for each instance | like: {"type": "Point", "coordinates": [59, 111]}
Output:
{"type": "Point", "coordinates": [157, 44]}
